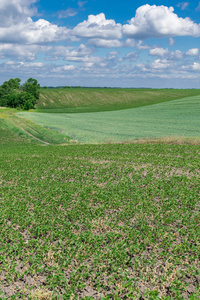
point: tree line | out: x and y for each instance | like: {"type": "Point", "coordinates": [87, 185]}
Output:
{"type": "Point", "coordinates": [16, 95]}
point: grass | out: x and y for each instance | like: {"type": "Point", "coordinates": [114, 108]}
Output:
{"type": "Point", "coordinates": [178, 118]}
{"type": "Point", "coordinates": [21, 130]}
{"type": "Point", "coordinates": [84, 100]}
{"type": "Point", "coordinates": [118, 221]}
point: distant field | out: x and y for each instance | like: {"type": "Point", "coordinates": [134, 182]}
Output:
{"type": "Point", "coordinates": [95, 99]}
{"type": "Point", "coordinates": [179, 118]}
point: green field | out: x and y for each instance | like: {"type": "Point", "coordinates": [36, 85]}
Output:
{"type": "Point", "coordinates": [178, 118]}
{"type": "Point", "coordinates": [75, 100]}
{"type": "Point", "coordinates": [100, 221]}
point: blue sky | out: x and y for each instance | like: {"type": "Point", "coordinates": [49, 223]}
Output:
{"type": "Point", "coordinates": [101, 43]}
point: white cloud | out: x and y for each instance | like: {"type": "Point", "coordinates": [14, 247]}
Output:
{"type": "Point", "coordinates": [80, 54]}
{"type": "Point", "coordinates": [31, 32]}
{"type": "Point", "coordinates": [175, 55]}
{"type": "Point", "coordinates": [159, 21]}
{"type": "Point", "coordinates": [157, 51]}
{"type": "Point", "coordinates": [15, 11]}
{"type": "Point", "coordinates": [171, 41]}
{"type": "Point", "coordinates": [142, 46]}
{"type": "Point", "coordinates": [183, 5]}
{"type": "Point", "coordinates": [161, 64]}
{"type": "Point", "coordinates": [70, 12]}
{"type": "Point", "coordinates": [193, 52]}
{"type": "Point", "coordinates": [132, 56]}
{"type": "Point", "coordinates": [130, 43]}
{"type": "Point", "coordinates": [198, 7]}
{"type": "Point", "coordinates": [32, 65]}
{"type": "Point", "coordinates": [102, 43]}
{"type": "Point", "coordinates": [64, 68]}
{"type": "Point", "coordinates": [196, 66]}
{"type": "Point", "coordinates": [17, 26]}
{"type": "Point", "coordinates": [81, 3]}
{"type": "Point", "coordinates": [192, 67]}
{"type": "Point", "coordinates": [25, 52]}
{"type": "Point", "coordinates": [98, 27]}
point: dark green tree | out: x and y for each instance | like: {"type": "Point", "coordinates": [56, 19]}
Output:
{"type": "Point", "coordinates": [16, 96]}
{"type": "Point", "coordinates": [32, 87]}
{"type": "Point", "coordinates": [25, 101]}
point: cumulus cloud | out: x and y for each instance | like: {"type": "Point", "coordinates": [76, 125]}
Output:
{"type": "Point", "coordinates": [196, 66]}
{"type": "Point", "coordinates": [64, 68]}
{"type": "Point", "coordinates": [98, 27]}
{"type": "Point", "coordinates": [129, 43]}
{"type": "Point", "coordinates": [25, 52]}
{"type": "Point", "coordinates": [193, 52]}
{"type": "Point", "coordinates": [175, 55]}
{"type": "Point", "coordinates": [14, 11]}
{"type": "Point", "coordinates": [161, 64]}
{"type": "Point", "coordinates": [131, 56]}
{"type": "Point", "coordinates": [142, 46]}
{"type": "Point", "coordinates": [79, 54]}
{"type": "Point", "coordinates": [17, 26]}
{"type": "Point", "coordinates": [158, 66]}
{"type": "Point", "coordinates": [30, 32]}
{"type": "Point", "coordinates": [32, 64]}
{"type": "Point", "coordinates": [192, 67]}
{"type": "Point", "coordinates": [102, 43]}
{"type": "Point", "coordinates": [157, 51]}
{"type": "Point", "coordinates": [159, 21]}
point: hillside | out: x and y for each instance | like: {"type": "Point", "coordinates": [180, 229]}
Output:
{"type": "Point", "coordinates": [16, 130]}
{"type": "Point", "coordinates": [105, 99]}
{"type": "Point", "coordinates": [177, 118]}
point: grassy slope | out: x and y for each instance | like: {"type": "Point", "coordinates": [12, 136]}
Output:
{"type": "Point", "coordinates": [23, 130]}
{"type": "Point", "coordinates": [92, 100]}
{"type": "Point", "coordinates": [179, 118]}
{"type": "Point", "coordinates": [118, 221]}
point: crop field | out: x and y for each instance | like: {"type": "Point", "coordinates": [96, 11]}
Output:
{"type": "Point", "coordinates": [177, 118]}
{"type": "Point", "coordinates": [74, 100]}
{"type": "Point", "coordinates": [115, 221]}
{"type": "Point", "coordinates": [101, 221]}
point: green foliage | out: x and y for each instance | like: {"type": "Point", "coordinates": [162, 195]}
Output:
{"type": "Point", "coordinates": [11, 95]}
{"type": "Point", "coordinates": [26, 100]}
{"type": "Point", "coordinates": [32, 87]}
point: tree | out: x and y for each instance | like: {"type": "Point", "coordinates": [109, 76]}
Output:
{"type": "Point", "coordinates": [32, 87]}
{"type": "Point", "coordinates": [26, 101]}
{"type": "Point", "coordinates": [13, 95]}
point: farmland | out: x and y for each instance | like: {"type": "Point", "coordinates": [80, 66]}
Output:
{"type": "Point", "coordinates": [75, 100]}
{"type": "Point", "coordinates": [177, 118]}
{"type": "Point", "coordinates": [100, 221]}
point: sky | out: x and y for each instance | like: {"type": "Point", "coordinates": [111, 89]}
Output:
{"type": "Point", "coordinates": [97, 43]}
